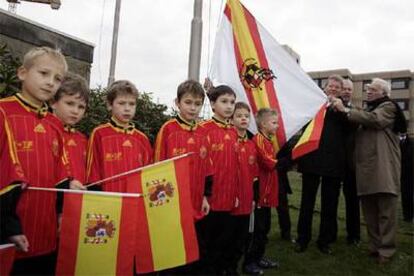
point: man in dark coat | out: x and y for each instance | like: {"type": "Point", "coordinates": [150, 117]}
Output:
{"type": "Point", "coordinates": [326, 166]}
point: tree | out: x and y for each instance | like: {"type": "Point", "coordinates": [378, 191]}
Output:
{"type": "Point", "coordinates": [9, 82]}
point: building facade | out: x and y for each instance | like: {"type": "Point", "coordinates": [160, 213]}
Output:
{"type": "Point", "coordinates": [402, 88]}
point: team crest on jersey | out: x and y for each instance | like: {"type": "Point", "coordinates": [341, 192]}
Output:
{"type": "Point", "coordinates": [253, 76]}
{"type": "Point", "coordinates": [252, 159]}
{"type": "Point", "coordinates": [127, 143]}
{"type": "Point", "coordinates": [99, 229]}
{"type": "Point", "coordinates": [39, 128]}
{"type": "Point", "coordinates": [203, 152]}
{"type": "Point", "coordinates": [160, 192]}
{"type": "Point", "coordinates": [71, 143]}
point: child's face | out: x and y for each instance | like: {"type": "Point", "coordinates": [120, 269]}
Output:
{"type": "Point", "coordinates": [224, 106]}
{"type": "Point", "coordinates": [270, 124]}
{"type": "Point", "coordinates": [241, 119]}
{"type": "Point", "coordinates": [41, 81]}
{"type": "Point", "coordinates": [70, 109]}
{"type": "Point", "coordinates": [189, 106]}
{"type": "Point", "coordinates": [123, 108]}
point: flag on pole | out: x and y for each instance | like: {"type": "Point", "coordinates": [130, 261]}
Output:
{"type": "Point", "coordinates": [166, 233]}
{"type": "Point", "coordinates": [248, 59]}
{"type": "Point", "coordinates": [309, 141]}
{"type": "Point", "coordinates": [97, 234]}
{"type": "Point", "coordinates": [7, 252]}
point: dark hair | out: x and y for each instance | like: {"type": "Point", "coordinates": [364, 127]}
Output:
{"type": "Point", "coordinates": [73, 84]}
{"type": "Point", "coordinates": [121, 87]}
{"type": "Point", "coordinates": [191, 87]}
{"type": "Point", "coordinates": [215, 92]}
{"type": "Point", "coordinates": [241, 105]}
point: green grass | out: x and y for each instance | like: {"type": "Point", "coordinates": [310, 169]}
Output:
{"type": "Point", "coordinates": [346, 260]}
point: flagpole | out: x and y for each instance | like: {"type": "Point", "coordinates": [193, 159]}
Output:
{"type": "Point", "coordinates": [111, 77]}
{"type": "Point", "coordinates": [196, 41]}
{"type": "Point", "coordinates": [86, 192]}
{"type": "Point", "coordinates": [137, 170]}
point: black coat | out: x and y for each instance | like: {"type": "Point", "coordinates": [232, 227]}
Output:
{"type": "Point", "coordinates": [329, 158]}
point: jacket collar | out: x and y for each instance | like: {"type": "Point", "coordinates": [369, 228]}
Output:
{"type": "Point", "coordinates": [41, 111]}
{"type": "Point", "coordinates": [117, 125]}
{"type": "Point", "coordinates": [69, 129]}
{"type": "Point", "coordinates": [186, 124]}
{"type": "Point", "coordinates": [265, 136]}
{"type": "Point", "coordinates": [223, 124]}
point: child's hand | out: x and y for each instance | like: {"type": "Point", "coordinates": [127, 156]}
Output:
{"type": "Point", "coordinates": [236, 203]}
{"type": "Point", "coordinates": [76, 185]}
{"type": "Point", "coordinates": [21, 242]}
{"type": "Point", "coordinates": [205, 207]}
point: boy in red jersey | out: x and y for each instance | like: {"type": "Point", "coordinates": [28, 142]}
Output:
{"type": "Point", "coordinates": [266, 120]}
{"type": "Point", "coordinates": [117, 146]}
{"type": "Point", "coordinates": [37, 136]}
{"type": "Point", "coordinates": [182, 135]}
{"type": "Point", "coordinates": [69, 105]}
{"type": "Point", "coordinates": [248, 172]}
{"type": "Point", "coordinates": [224, 198]}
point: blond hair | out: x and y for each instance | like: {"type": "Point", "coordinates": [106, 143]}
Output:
{"type": "Point", "coordinates": [264, 113]}
{"type": "Point", "coordinates": [34, 53]}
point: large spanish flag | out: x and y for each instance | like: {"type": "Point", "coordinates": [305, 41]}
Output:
{"type": "Point", "coordinates": [247, 58]}
{"type": "Point", "coordinates": [97, 234]}
{"type": "Point", "coordinates": [166, 234]}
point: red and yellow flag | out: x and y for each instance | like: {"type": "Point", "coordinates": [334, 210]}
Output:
{"type": "Point", "coordinates": [166, 233]}
{"type": "Point", "coordinates": [247, 58]}
{"type": "Point", "coordinates": [97, 235]}
{"type": "Point", "coordinates": [309, 141]}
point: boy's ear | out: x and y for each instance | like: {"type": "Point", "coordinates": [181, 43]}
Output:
{"type": "Point", "coordinates": [21, 73]}
{"type": "Point", "coordinates": [108, 106]}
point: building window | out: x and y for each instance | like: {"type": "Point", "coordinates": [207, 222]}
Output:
{"type": "Point", "coordinates": [323, 83]}
{"type": "Point", "coordinates": [403, 103]}
{"type": "Point", "coordinates": [399, 83]}
{"type": "Point", "coordinates": [364, 84]}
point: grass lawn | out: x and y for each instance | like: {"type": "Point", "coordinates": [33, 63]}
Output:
{"type": "Point", "coordinates": [346, 260]}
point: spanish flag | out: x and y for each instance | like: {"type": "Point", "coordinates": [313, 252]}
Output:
{"type": "Point", "coordinates": [166, 233]}
{"type": "Point", "coordinates": [309, 141]}
{"type": "Point", "coordinates": [247, 58]}
{"type": "Point", "coordinates": [97, 234]}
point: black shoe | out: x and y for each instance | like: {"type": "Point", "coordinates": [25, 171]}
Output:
{"type": "Point", "coordinates": [300, 248]}
{"type": "Point", "coordinates": [286, 237]}
{"type": "Point", "coordinates": [354, 242]}
{"type": "Point", "coordinates": [325, 249]}
{"type": "Point", "coordinates": [252, 269]}
{"type": "Point", "coordinates": [265, 263]}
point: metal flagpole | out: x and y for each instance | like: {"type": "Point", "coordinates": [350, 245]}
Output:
{"type": "Point", "coordinates": [195, 43]}
{"type": "Point", "coordinates": [111, 77]}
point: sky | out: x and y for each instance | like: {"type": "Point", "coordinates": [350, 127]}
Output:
{"type": "Point", "coordinates": [154, 35]}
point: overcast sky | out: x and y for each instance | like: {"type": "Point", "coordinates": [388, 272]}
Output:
{"type": "Point", "coordinates": [154, 36]}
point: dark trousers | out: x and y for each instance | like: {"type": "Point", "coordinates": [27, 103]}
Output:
{"type": "Point", "coordinates": [219, 235]}
{"type": "Point", "coordinates": [407, 179]}
{"type": "Point", "coordinates": [283, 208]}
{"type": "Point", "coordinates": [262, 222]}
{"type": "Point", "coordinates": [241, 240]}
{"type": "Point", "coordinates": [39, 265]}
{"type": "Point", "coordinates": [353, 226]}
{"type": "Point", "coordinates": [329, 204]}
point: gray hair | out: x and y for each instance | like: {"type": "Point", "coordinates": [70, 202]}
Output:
{"type": "Point", "coordinates": [383, 84]}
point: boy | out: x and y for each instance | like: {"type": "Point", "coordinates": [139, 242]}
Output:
{"type": "Point", "coordinates": [247, 185]}
{"type": "Point", "coordinates": [117, 146]}
{"type": "Point", "coordinates": [69, 105]}
{"type": "Point", "coordinates": [182, 135]}
{"type": "Point", "coordinates": [266, 120]}
{"type": "Point", "coordinates": [37, 137]}
{"type": "Point", "coordinates": [223, 140]}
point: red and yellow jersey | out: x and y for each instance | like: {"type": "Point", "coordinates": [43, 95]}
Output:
{"type": "Point", "coordinates": [76, 145]}
{"type": "Point", "coordinates": [114, 149]}
{"type": "Point", "coordinates": [223, 142]}
{"type": "Point", "coordinates": [11, 170]}
{"type": "Point", "coordinates": [269, 185]}
{"type": "Point", "coordinates": [38, 138]}
{"type": "Point", "coordinates": [177, 137]}
{"type": "Point", "coordinates": [248, 171]}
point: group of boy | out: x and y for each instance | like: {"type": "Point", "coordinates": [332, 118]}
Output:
{"type": "Point", "coordinates": [232, 176]}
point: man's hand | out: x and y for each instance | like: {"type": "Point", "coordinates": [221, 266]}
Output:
{"type": "Point", "coordinates": [205, 207]}
{"type": "Point", "coordinates": [236, 203]}
{"type": "Point", "coordinates": [337, 104]}
{"type": "Point", "coordinates": [76, 185]}
{"type": "Point", "coordinates": [20, 241]}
